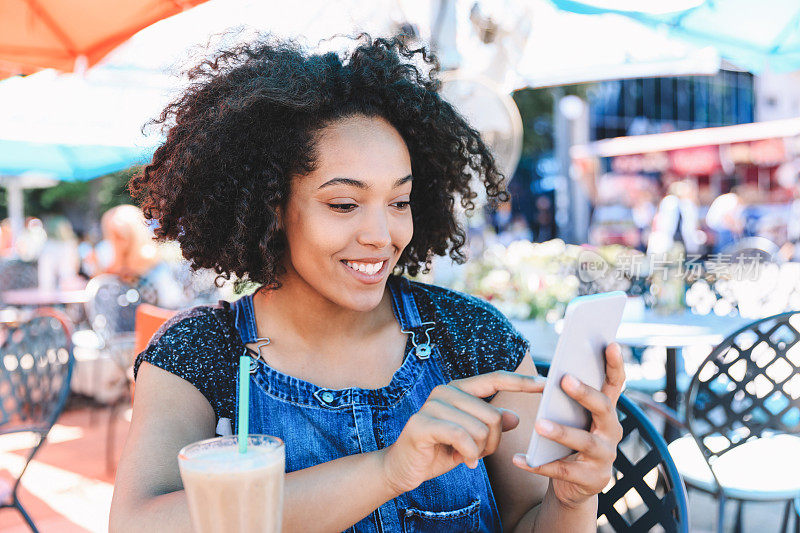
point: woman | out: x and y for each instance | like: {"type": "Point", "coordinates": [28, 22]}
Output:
{"type": "Point", "coordinates": [138, 261]}
{"type": "Point", "coordinates": [321, 178]}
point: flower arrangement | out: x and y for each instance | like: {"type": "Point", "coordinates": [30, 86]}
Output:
{"type": "Point", "coordinates": [527, 280]}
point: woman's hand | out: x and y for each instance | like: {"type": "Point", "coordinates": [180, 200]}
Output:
{"type": "Point", "coordinates": [453, 426]}
{"type": "Point", "coordinates": [583, 474]}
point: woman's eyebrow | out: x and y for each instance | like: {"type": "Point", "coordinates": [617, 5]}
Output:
{"type": "Point", "coordinates": [360, 184]}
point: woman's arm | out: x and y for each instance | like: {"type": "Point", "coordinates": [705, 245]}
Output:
{"type": "Point", "coordinates": [517, 492]}
{"type": "Point", "coordinates": [567, 502]}
{"type": "Point", "coordinates": [454, 426]}
{"type": "Point", "coordinates": [169, 413]}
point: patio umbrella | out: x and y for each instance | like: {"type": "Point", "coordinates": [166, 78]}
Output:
{"type": "Point", "coordinates": [752, 35]}
{"type": "Point", "coordinates": [37, 34]}
{"type": "Point", "coordinates": [68, 127]}
{"type": "Point", "coordinates": [537, 45]}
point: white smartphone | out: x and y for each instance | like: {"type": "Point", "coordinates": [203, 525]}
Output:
{"type": "Point", "coordinates": [590, 323]}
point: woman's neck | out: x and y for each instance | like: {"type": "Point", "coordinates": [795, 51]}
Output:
{"type": "Point", "coordinates": [311, 320]}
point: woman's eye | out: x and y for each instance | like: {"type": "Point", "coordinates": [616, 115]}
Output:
{"type": "Point", "coordinates": [402, 205]}
{"type": "Point", "coordinates": [342, 207]}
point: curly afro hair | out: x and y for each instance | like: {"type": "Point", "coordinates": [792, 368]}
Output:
{"type": "Point", "coordinates": [247, 124]}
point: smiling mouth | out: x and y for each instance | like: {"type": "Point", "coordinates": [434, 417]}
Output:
{"type": "Point", "coordinates": [368, 269]}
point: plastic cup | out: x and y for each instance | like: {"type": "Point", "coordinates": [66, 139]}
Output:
{"type": "Point", "coordinates": [233, 492]}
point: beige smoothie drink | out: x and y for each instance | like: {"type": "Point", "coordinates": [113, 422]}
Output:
{"type": "Point", "coordinates": [233, 492]}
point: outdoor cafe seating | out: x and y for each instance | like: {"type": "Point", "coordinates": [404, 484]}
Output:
{"type": "Point", "coordinates": [35, 372]}
{"type": "Point", "coordinates": [741, 419]}
{"type": "Point", "coordinates": [646, 492]}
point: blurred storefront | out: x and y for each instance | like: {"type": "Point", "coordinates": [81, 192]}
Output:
{"type": "Point", "coordinates": [676, 103]}
{"type": "Point", "coordinates": [626, 176]}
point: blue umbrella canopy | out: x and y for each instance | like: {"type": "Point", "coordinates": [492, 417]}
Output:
{"type": "Point", "coordinates": [67, 162]}
{"type": "Point", "coordinates": [72, 127]}
{"type": "Point", "coordinates": [754, 35]}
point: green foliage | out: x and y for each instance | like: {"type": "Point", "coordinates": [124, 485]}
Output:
{"type": "Point", "coordinates": [536, 108]}
{"type": "Point", "coordinates": [82, 201]}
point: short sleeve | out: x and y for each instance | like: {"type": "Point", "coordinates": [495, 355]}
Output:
{"type": "Point", "coordinates": [505, 346]}
{"type": "Point", "coordinates": [477, 337]}
{"type": "Point", "coordinates": [516, 347]}
{"type": "Point", "coordinates": [192, 345]}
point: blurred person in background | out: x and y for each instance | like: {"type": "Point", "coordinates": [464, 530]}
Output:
{"type": "Point", "coordinates": [136, 258]}
{"type": "Point", "coordinates": [545, 227]}
{"type": "Point", "coordinates": [726, 218]}
{"type": "Point", "coordinates": [677, 220]}
{"type": "Point", "coordinates": [30, 242]}
{"type": "Point", "coordinates": [790, 251]}
{"type": "Point", "coordinates": [6, 239]}
{"type": "Point", "coordinates": [59, 260]}
{"type": "Point", "coordinates": [500, 218]}
{"type": "Point", "coordinates": [643, 211]}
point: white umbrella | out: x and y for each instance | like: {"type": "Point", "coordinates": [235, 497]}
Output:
{"type": "Point", "coordinates": [534, 44]}
{"type": "Point", "coordinates": [72, 127]}
{"type": "Point", "coordinates": [179, 41]}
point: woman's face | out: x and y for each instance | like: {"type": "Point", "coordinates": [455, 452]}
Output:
{"type": "Point", "coordinates": [348, 222]}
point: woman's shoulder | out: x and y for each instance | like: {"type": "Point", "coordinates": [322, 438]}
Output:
{"type": "Point", "coordinates": [198, 346]}
{"type": "Point", "coordinates": [455, 305]}
{"type": "Point", "coordinates": [465, 315]}
{"type": "Point", "coordinates": [202, 327]}
{"type": "Point", "coordinates": [479, 338]}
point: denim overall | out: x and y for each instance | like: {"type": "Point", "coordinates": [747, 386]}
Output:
{"type": "Point", "coordinates": [319, 425]}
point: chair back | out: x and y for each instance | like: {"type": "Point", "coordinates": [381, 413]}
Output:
{"type": "Point", "coordinates": [35, 371]}
{"type": "Point", "coordinates": [17, 274]}
{"type": "Point", "coordinates": [148, 319]}
{"type": "Point", "coordinates": [751, 249]}
{"type": "Point", "coordinates": [748, 386]}
{"type": "Point", "coordinates": [111, 308]}
{"type": "Point", "coordinates": [646, 492]}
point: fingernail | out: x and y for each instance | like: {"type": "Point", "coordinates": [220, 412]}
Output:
{"type": "Point", "coordinates": [546, 426]}
{"type": "Point", "coordinates": [503, 409]}
{"type": "Point", "coordinates": [571, 381]}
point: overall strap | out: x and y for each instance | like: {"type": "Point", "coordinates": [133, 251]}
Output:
{"type": "Point", "coordinates": [410, 320]}
{"type": "Point", "coordinates": [404, 303]}
{"type": "Point", "coordinates": [245, 319]}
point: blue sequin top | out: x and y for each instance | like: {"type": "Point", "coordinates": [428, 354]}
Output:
{"type": "Point", "coordinates": [202, 346]}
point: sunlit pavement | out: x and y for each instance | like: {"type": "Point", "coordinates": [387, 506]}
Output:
{"type": "Point", "coordinates": [66, 489]}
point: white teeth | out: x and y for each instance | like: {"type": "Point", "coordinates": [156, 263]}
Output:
{"type": "Point", "coordinates": [366, 268]}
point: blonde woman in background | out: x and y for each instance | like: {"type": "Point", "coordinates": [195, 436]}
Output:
{"type": "Point", "coordinates": [137, 259]}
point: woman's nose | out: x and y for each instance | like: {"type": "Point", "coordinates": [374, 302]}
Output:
{"type": "Point", "coordinates": [375, 230]}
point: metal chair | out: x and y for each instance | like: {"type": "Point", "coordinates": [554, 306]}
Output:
{"type": "Point", "coordinates": [758, 249]}
{"type": "Point", "coordinates": [108, 346]}
{"type": "Point", "coordinates": [646, 491]}
{"type": "Point", "coordinates": [747, 391]}
{"type": "Point", "coordinates": [35, 371]}
{"type": "Point", "coordinates": [17, 274]}
{"type": "Point", "coordinates": [111, 308]}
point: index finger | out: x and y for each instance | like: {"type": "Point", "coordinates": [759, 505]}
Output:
{"type": "Point", "coordinates": [615, 372]}
{"type": "Point", "coordinates": [485, 385]}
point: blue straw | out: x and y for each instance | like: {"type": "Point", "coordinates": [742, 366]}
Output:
{"type": "Point", "coordinates": [244, 401]}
